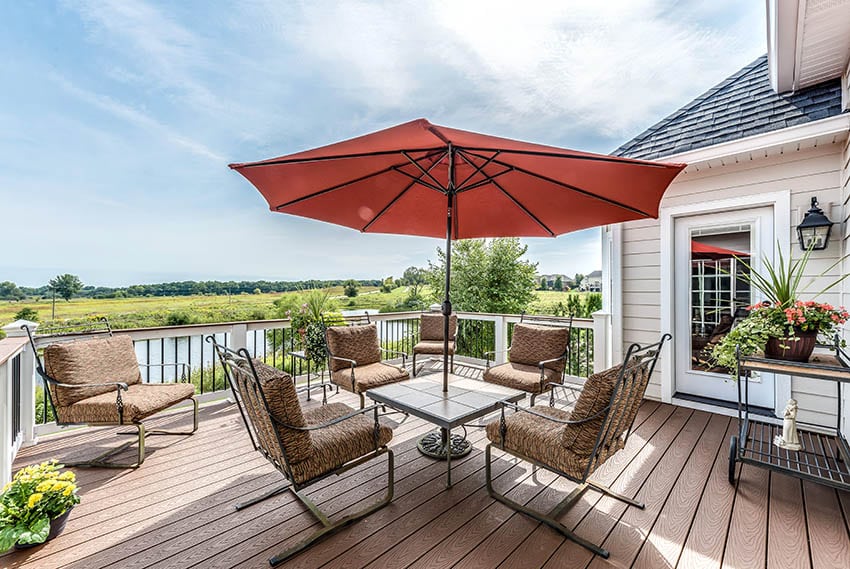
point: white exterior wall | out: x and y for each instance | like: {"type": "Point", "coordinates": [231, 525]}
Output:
{"type": "Point", "coordinates": [844, 232]}
{"type": "Point", "coordinates": [806, 173]}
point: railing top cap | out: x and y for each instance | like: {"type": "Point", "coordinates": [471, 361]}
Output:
{"type": "Point", "coordinates": [15, 329]}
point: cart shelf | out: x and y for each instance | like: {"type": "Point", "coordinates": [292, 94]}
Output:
{"type": "Point", "coordinates": [825, 457]}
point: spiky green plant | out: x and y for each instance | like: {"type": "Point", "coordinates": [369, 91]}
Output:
{"type": "Point", "coordinates": [781, 282]}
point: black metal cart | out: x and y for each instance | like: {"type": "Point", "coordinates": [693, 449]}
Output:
{"type": "Point", "coordinates": [826, 455]}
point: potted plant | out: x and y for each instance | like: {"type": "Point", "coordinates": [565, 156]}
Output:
{"type": "Point", "coordinates": [35, 505]}
{"type": "Point", "coordinates": [783, 327]}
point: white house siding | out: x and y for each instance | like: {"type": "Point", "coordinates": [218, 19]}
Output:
{"type": "Point", "coordinates": [845, 234]}
{"type": "Point", "coordinates": [806, 173]}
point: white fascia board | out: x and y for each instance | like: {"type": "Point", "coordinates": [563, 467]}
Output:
{"type": "Point", "coordinates": [783, 26]}
{"type": "Point", "coordinates": [839, 124]}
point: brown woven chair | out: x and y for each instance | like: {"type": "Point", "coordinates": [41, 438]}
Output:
{"type": "Point", "coordinates": [354, 359]}
{"type": "Point", "coordinates": [305, 446]}
{"type": "Point", "coordinates": [537, 357]}
{"type": "Point", "coordinates": [573, 444]}
{"type": "Point", "coordinates": [97, 382]}
{"type": "Point", "coordinates": [431, 337]}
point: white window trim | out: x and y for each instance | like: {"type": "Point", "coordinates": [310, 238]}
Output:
{"type": "Point", "coordinates": [781, 203]}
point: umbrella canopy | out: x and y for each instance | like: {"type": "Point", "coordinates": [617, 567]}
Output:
{"type": "Point", "coordinates": [397, 180]}
{"type": "Point", "coordinates": [418, 178]}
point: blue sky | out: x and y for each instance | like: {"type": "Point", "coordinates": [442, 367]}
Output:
{"type": "Point", "coordinates": [118, 119]}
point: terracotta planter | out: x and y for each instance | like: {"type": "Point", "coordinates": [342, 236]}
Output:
{"type": "Point", "coordinates": [56, 527]}
{"type": "Point", "coordinates": [797, 348]}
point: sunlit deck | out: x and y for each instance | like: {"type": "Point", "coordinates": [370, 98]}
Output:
{"type": "Point", "coordinates": [177, 509]}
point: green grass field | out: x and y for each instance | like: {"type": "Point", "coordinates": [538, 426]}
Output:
{"type": "Point", "coordinates": [164, 310]}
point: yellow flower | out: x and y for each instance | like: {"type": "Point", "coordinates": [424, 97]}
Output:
{"type": "Point", "coordinates": [44, 486]}
{"type": "Point", "coordinates": [34, 499]}
{"type": "Point", "coordinates": [69, 476]}
{"type": "Point", "coordinates": [58, 486]}
{"type": "Point", "coordinates": [68, 491]}
{"type": "Point", "coordinates": [52, 475]}
{"type": "Point", "coordinates": [7, 486]}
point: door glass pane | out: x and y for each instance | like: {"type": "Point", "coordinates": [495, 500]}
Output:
{"type": "Point", "coordinates": [717, 289]}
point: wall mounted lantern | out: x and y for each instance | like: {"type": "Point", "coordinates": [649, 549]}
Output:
{"type": "Point", "coordinates": [814, 230]}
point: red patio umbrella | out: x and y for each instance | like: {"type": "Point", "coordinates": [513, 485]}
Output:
{"type": "Point", "coordinates": [418, 178]}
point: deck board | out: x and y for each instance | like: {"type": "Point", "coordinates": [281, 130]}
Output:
{"type": "Point", "coordinates": [176, 511]}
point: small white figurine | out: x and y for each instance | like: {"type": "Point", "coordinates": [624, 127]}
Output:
{"type": "Point", "coordinates": [789, 439]}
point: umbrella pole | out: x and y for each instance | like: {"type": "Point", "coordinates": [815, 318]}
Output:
{"type": "Point", "coordinates": [447, 303]}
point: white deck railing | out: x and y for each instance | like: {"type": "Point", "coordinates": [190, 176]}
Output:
{"type": "Point", "coordinates": [20, 424]}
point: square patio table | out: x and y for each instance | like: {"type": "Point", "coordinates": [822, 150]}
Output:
{"type": "Point", "coordinates": [466, 400]}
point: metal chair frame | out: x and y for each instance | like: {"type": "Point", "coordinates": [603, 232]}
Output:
{"type": "Point", "coordinates": [353, 363]}
{"type": "Point", "coordinates": [230, 358]}
{"type": "Point", "coordinates": [545, 386]}
{"type": "Point", "coordinates": [102, 460]}
{"type": "Point", "coordinates": [637, 358]}
{"type": "Point", "coordinates": [414, 371]}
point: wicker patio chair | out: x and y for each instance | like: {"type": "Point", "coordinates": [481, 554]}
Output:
{"type": "Point", "coordinates": [354, 359]}
{"type": "Point", "coordinates": [95, 381]}
{"type": "Point", "coordinates": [537, 358]}
{"type": "Point", "coordinates": [306, 446]}
{"type": "Point", "coordinates": [574, 444]}
{"type": "Point", "coordinates": [431, 337]}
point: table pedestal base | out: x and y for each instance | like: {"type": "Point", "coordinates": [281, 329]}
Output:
{"type": "Point", "coordinates": [434, 445]}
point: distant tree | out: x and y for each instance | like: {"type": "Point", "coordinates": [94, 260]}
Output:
{"type": "Point", "coordinates": [10, 291]}
{"type": "Point", "coordinates": [543, 284]}
{"type": "Point", "coordinates": [350, 288]}
{"type": "Point", "coordinates": [579, 278]}
{"type": "Point", "coordinates": [26, 314]}
{"type": "Point", "coordinates": [257, 291]}
{"type": "Point", "coordinates": [387, 285]}
{"type": "Point", "coordinates": [559, 284]}
{"type": "Point", "coordinates": [487, 276]}
{"type": "Point", "coordinates": [415, 278]}
{"type": "Point", "coordinates": [66, 286]}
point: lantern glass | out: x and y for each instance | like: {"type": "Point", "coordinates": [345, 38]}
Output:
{"type": "Point", "coordinates": [814, 230]}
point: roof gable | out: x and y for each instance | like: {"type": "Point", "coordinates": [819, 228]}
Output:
{"type": "Point", "coordinates": [742, 105]}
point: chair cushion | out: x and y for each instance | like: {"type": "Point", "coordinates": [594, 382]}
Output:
{"type": "Point", "coordinates": [432, 347]}
{"type": "Point", "coordinates": [532, 344]}
{"type": "Point", "coordinates": [540, 439]}
{"type": "Point", "coordinates": [369, 376]}
{"type": "Point", "coordinates": [335, 445]}
{"type": "Point", "coordinates": [595, 396]}
{"type": "Point", "coordinates": [141, 400]}
{"type": "Point", "coordinates": [521, 376]}
{"type": "Point", "coordinates": [99, 360]}
{"type": "Point", "coordinates": [282, 399]}
{"type": "Point", "coordinates": [358, 343]}
{"type": "Point", "coordinates": [431, 326]}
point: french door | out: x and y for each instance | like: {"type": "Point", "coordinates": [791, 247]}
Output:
{"type": "Point", "coordinates": [711, 293]}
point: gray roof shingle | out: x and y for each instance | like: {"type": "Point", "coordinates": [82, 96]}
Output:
{"type": "Point", "coordinates": [742, 105]}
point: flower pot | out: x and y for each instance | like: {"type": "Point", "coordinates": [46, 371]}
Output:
{"type": "Point", "coordinates": [57, 524]}
{"type": "Point", "coordinates": [797, 348]}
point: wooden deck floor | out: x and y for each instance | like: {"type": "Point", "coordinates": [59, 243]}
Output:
{"type": "Point", "coordinates": [177, 509]}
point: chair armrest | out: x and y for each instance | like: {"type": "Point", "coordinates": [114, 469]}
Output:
{"type": "Point", "coordinates": [403, 355]}
{"type": "Point", "coordinates": [184, 366]}
{"type": "Point", "coordinates": [349, 360]}
{"type": "Point", "coordinates": [345, 417]}
{"type": "Point", "coordinates": [118, 384]}
{"type": "Point", "coordinates": [551, 361]}
{"type": "Point", "coordinates": [553, 419]}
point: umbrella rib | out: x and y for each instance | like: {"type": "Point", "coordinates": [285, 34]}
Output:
{"type": "Point", "coordinates": [425, 172]}
{"type": "Point", "coordinates": [419, 180]}
{"type": "Point", "coordinates": [325, 158]}
{"type": "Point", "coordinates": [489, 180]}
{"type": "Point", "coordinates": [394, 167]}
{"type": "Point", "coordinates": [394, 200]}
{"type": "Point", "coordinates": [478, 169]}
{"type": "Point", "coordinates": [573, 188]}
{"type": "Point", "coordinates": [525, 209]}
